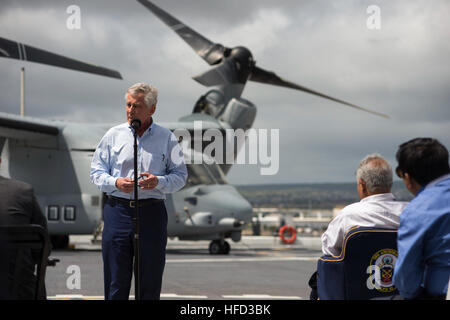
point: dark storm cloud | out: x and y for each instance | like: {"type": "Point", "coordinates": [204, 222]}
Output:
{"type": "Point", "coordinates": [401, 69]}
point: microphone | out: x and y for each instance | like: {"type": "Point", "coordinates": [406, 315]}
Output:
{"type": "Point", "coordinates": [136, 124]}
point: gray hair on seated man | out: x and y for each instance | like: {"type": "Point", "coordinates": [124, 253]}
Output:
{"type": "Point", "coordinates": [151, 93]}
{"type": "Point", "coordinates": [374, 175]}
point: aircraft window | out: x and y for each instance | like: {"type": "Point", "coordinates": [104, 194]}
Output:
{"type": "Point", "coordinates": [204, 174]}
{"type": "Point", "coordinates": [215, 97]}
{"type": "Point", "coordinates": [52, 213]}
{"type": "Point", "coordinates": [69, 213]}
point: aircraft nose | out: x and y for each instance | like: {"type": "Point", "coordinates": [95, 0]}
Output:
{"type": "Point", "coordinates": [220, 205]}
{"type": "Point", "coordinates": [235, 206]}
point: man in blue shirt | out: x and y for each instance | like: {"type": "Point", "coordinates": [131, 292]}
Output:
{"type": "Point", "coordinates": [161, 170]}
{"type": "Point", "coordinates": [422, 269]}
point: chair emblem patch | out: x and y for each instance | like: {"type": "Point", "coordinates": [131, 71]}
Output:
{"type": "Point", "coordinates": [381, 270]}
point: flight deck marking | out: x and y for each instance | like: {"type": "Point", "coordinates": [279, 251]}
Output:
{"type": "Point", "coordinates": [174, 295]}
{"type": "Point", "coordinates": [261, 297]}
{"type": "Point", "coordinates": [262, 259]}
{"type": "Point", "coordinates": [83, 297]}
{"type": "Point", "coordinates": [178, 296]}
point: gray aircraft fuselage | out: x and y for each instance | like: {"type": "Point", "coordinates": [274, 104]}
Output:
{"type": "Point", "coordinates": [58, 168]}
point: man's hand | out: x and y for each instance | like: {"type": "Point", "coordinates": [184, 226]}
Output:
{"type": "Point", "coordinates": [149, 182]}
{"type": "Point", "coordinates": [125, 185]}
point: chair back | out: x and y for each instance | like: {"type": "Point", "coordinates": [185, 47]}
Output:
{"type": "Point", "coordinates": [26, 248]}
{"type": "Point", "coordinates": [365, 268]}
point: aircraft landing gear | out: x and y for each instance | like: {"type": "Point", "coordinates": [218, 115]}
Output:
{"type": "Point", "coordinates": [219, 247]}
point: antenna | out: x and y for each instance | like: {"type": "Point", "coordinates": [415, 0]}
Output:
{"type": "Point", "coordinates": [22, 92]}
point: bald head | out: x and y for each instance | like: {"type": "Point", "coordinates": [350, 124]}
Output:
{"type": "Point", "coordinates": [375, 174]}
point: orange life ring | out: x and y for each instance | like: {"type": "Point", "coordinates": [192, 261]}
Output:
{"type": "Point", "coordinates": [288, 234]}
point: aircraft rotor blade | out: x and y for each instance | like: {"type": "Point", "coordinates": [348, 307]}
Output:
{"type": "Point", "coordinates": [222, 74]}
{"type": "Point", "coordinates": [226, 71]}
{"type": "Point", "coordinates": [269, 77]}
{"type": "Point", "coordinates": [20, 51]}
{"type": "Point", "coordinates": [211, 52]}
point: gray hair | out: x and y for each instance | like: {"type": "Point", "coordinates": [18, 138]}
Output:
{"type": "Point", "coordinates": [151, 93]}
{"type": "Point", "coordinates": [376, 172]}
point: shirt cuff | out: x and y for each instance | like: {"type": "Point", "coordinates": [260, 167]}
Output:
{"type": "Point", "coordinates": [162, 183]}
{"type": "Point", "coordinates": [109, 185]}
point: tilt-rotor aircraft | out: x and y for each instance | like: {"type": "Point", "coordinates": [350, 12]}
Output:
{"type": "Point", "coordinates": [55, 156]}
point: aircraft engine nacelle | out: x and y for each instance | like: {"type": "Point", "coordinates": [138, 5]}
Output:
{"type": "Point", "coordinates": [239, 113]}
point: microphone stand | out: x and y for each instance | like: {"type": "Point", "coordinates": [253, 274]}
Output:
{"type": "Point", "coordinates": [137, 287]}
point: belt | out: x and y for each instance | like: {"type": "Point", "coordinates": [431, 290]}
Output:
{"type": "Point", "coordinates": [132, 203]}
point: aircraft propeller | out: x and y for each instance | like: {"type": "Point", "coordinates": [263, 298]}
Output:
{"type": "Point", "coordinates": [231, 65]}
{"type": "Point", "coordinates": [20, 51]}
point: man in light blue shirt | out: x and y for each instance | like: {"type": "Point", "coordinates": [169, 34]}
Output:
{"type": "Point", "coordinates": [422, 269]}
{"type": "Point", "coordinates": [112, 166]}
{"type": "Point", "coordinates": [161, 170]}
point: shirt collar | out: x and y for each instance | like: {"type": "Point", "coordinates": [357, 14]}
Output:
{"type": "Point", "coordinates": [379, 197]}
{"type": "Point", "coordinates": [151, 129]}
{"type": "Point", "coordinates": [436, 181]}
{"type": "Point", "coordinates": [433, 183]}
{"type": "Point", "coordinates": [148, 130]}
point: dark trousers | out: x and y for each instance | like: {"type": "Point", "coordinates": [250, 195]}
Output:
{"type": "Point", "coordinates": [118, 252]}
{"type": "Point", "coordinates": [313, 285]}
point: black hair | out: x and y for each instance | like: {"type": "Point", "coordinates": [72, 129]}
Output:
{"type": "Point", "coordinates": [424, 159]}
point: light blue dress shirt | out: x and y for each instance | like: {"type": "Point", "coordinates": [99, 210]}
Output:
{"type": "Point", "coordinates": [158, 153]}
{"type": "Point", "coordinates": [424, 242]}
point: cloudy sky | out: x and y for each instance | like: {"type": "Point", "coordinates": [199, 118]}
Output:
{"type": "Point", "coordinates": [401, 69]}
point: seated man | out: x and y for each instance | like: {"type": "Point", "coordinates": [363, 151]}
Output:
{"type": "Point", "coordinates": [423, 265]}
{"type": "Point", "coordinates": [377, 208]}
{"type": "Point", "coordinates": [19, 206]}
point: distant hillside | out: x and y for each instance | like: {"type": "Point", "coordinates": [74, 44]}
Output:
{"type": "Point", "coordinates": [314, 196]}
